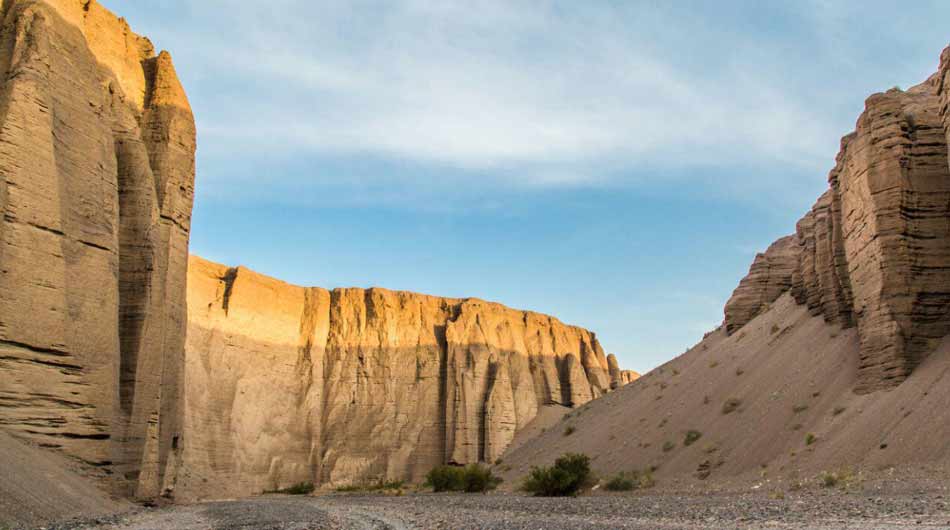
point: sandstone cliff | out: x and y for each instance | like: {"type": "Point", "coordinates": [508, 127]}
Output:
{"type": "Point", "coordinates": [874, 251]}
{"type": "Point", "coordinates": [97, 147]}
{"type": "Point", "coordinates": [289, 384]}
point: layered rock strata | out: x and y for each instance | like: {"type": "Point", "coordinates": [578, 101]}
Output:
{"type": "Point", "coordinates": [97, 146]}
{"type": "Point", "coordinates": [874, 251]}
{"type": "Point", "coordinates": [768, 278]}
{"type": "Point", "coordinates": [289, 384]}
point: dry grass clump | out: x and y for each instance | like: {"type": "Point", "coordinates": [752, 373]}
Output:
{"type": "Point", "coordinates": [691, 437]}
{"type": "Point", "coordinates": [630, 480]}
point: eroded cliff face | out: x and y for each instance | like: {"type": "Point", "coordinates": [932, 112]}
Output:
{"type": "Point", "coordinates": [874, 251]}
{"type": "Point", "coordinates": [289, 384]}
{"type": "Point", "coordinates": [769, 276]}
{"type": "Point", "coordinates": [97, 145]}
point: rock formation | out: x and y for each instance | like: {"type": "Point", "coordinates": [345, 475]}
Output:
{"type": "Point", "coordinates": [874, 251]}
{"type": "Point", "coordinates": [289, 384]}
{"type": "Point", "coordinates": [619, 377]}
{"type": "Point", "coordinates": [97, 147]}
{"type": "Point", "coordinates": [768, 278]}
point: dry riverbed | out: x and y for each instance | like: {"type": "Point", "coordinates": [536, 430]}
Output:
{"type": "Point", "coordinates": [808, 509]}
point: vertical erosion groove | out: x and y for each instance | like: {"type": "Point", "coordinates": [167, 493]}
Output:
{"type": "Point", "coordinates": [304, 370]}
{"type": "Point", "coordinates": [228, 280]}
{"type": "Point", "coordinates": [135, 262]}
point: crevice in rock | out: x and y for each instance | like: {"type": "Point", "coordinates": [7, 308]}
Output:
{"type": "Point", "coordinates": [228, 279]}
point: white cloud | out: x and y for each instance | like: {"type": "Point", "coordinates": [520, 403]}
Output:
{"type": "Point", "coordinates": [491, 87]}
{"type": "Point", "coordinates": [542, 93]}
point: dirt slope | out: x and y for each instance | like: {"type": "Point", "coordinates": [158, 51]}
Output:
{"type": "Point", "coordinates": [39, 487]}
{"type": "Point", "coordinates": [793, 375]}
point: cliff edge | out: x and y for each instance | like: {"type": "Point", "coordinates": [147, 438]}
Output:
{"type": "Point", "coordinates": [97, 145]}
{"type": "Point", "coordinates": [291, 384]}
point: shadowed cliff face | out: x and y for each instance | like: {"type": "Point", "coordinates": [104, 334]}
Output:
{"type": "Point", "coordinates": [874, 251]}
{"type": "Point", "coordinates": [97, 147]}
{"type": "Point", "coordinates": [289, 384]}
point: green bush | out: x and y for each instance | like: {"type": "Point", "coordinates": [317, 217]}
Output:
{"type": "Point", "coordinates": [566, 477]}
{"type": "Point", "coordinates": [474, 478]}
{"type": "Point", "coordinates": [479, 478]}
{"type": "Point", "coordinates": [446, 478]}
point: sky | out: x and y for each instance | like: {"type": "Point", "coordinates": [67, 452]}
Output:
{"type": "Point", "coordinates": [615, 164]}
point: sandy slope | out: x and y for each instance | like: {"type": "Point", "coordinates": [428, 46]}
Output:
{"type": "Point", "coordinates": [37, 487]}
{"type": "Point", "coordinates": [793, 374]}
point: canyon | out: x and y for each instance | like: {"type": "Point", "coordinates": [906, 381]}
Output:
{"type": "Point", "coordinates": [275, 384]}
{"type": "Point", "coordinates": [290, 384]}
{"type": "Point", "coordinates": [129, 365]}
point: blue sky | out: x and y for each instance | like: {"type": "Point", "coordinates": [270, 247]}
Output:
{"type": "Point", "coordinates": [616, 164]}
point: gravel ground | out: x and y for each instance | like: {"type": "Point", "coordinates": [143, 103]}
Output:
{"type": "Point", "coordinates": [510, 511]}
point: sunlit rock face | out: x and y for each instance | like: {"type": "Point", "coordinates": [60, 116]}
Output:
{"type": "Point", "coordinates": [874, 251]}
{"type": "Point", "coordinates": [291, 384]}
{"type": "Point", "coordinates": [97, 146]}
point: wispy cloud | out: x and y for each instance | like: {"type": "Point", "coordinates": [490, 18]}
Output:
{"type": "Point", "coordinates": [546, 94]}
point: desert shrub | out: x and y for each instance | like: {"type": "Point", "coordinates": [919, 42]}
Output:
{"type": "Point", "coordinates": [775, 329]}
{"type": "Point", "coordinates": [838, 411]}
{"type": "Point", "coordinates": [446, 478]}
{"type": "Point", "coordinates": [566, 477]}
{"type": "Point", "coordinates": [630, 480]}
{"type": "Point", "coordinates": [739, 371]}
{"type": "Point", "coordinates": [620, 482]}
{"type": "Point", "coordinates": [691, 437]}
{"type": "Point", "coordinates": [829, 479]}
{"type": "Point", "coordinates": [378, 485]}
{"type": "Point", "coordinates": [799, 408]}
{"type": "Point", "coordinates": [302, 488]}
{"type": "Point", "coordinates": [668, 446]}
{"type": "Point", "coordinates": [386, 485]}
{"type": "Point", "coordinates": [646, 479]}
{"type": "Point", "coordinates": [731, 405]}
{"type": "Point", "coordinates": [474, 478]}
{"type": "Point", "coordinates": [810, 439]}
{"type": "Point", "coordinates": [843, 478]}
{"type": "Point", "coordinates": [479, 479]}
{"type": "Point", "coordinates": [569, 430]}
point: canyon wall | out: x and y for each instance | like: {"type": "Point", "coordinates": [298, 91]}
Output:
{"type": "Point", "coordinates": [97, 146]}
{"type": "Point", "coordinates": [292, 384]}
{"type": "Point", "coordinates": [874, 251]}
